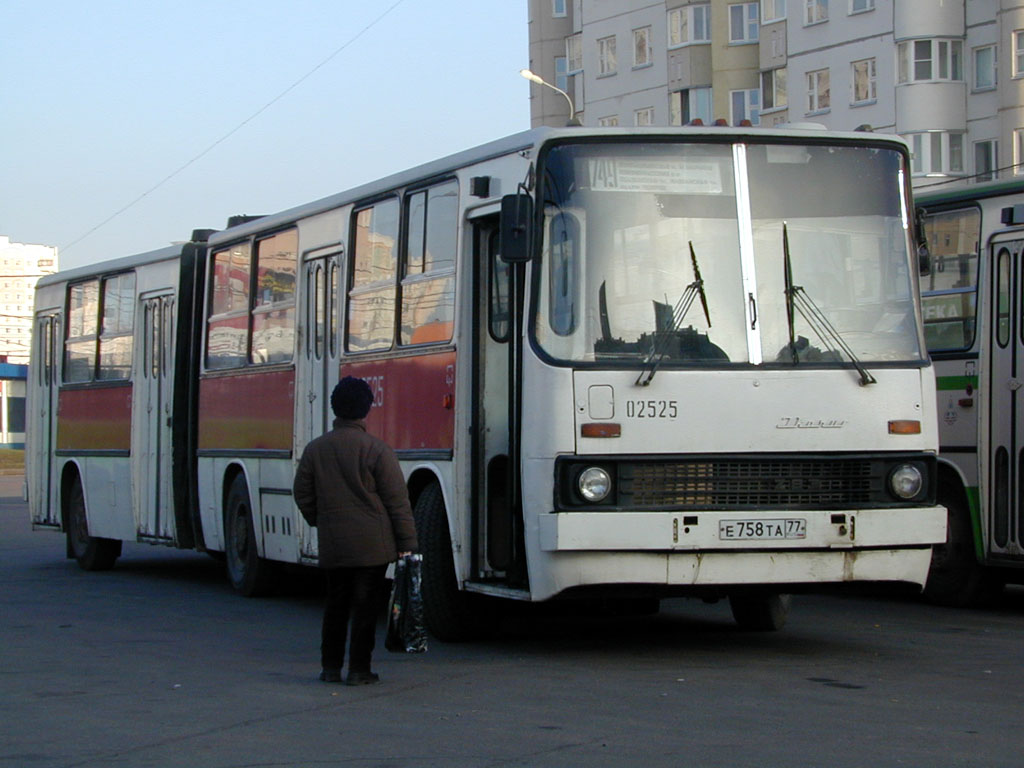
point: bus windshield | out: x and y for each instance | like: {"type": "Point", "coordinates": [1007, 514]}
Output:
{"type": "Point", "coordinates": [680, 253]}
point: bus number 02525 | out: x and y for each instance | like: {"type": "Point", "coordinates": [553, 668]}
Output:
{"type": "Point", "coordinates": [652, 409]}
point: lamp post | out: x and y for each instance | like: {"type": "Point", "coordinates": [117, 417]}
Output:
{"type": "Point", "coordinates": [541, 81]}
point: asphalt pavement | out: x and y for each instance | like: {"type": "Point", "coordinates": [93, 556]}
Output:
{"type": "Point", "coordinates": [158, 663]}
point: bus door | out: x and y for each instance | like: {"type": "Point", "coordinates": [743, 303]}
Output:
{"type": "Point", "coordinates": [1005, 451]}
{"type": "Point", "coordinates": [44, 416]}
{"type": "Point", "coordinates": [151, 413]}
{"type": "Point", "coordinates": [494, 517]}
{"type": "Point", "coordinates": [317, 362]}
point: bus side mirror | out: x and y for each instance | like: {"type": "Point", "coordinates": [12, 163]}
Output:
{"type": "Point", "coordinates": [516, 219]}
{"type": "Point", "coordinates": [924, 256]}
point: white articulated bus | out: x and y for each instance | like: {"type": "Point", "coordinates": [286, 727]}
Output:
{"type": "Point", "coordinates": [973, 302]}
{"type": "Point", "coordinates": [633, 363]}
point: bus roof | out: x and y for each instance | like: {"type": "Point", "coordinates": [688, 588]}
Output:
{"type": "Point", "coordinates": [112, 265]}
{"type": "Point", "coordinates": [960, 193]}
{"type": "Point", "coordinates": [524, 141]}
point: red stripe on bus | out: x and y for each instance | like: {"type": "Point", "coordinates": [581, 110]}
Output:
{"type": "Point", "coordinates": [247, 411]}
{"type": "Point", "coordinates": [414, 405]}
{"type": "Point", "coordinates": [95, 419]}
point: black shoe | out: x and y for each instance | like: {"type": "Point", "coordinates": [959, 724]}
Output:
{"type": "Point", "coordinates": [330, 675]}
{"type": "Point", "coordinates": [362, 678]}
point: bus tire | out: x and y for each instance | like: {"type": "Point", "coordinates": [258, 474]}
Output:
{"type": "Point", "coordinates": [249, 573]}
{"type": "Point", "coordinates": [760, 611]}
{"type": "Point", "coordinates": [91, 552]}
{"type": "Point", "coordinates": [446, 610]}
{"type": "Point", "coordinates": [956, 579]}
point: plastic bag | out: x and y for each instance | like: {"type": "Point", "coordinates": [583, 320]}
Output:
{"type": "Point", "coordinates": [406, 633]}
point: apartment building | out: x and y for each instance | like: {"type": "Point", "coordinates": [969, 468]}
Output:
{"type": "Point", "coordinates": [21, 265]}
{"type": "Point", "coordinates": [948, 75]}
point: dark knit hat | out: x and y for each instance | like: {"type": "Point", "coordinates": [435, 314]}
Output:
{"type": "Point", "coordinates": [351, 398]}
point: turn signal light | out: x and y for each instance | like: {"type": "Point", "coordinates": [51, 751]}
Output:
{"type": "Point", "coordinates": [601, 429]}
{"type": "Point", "coordinates": [904, 427]}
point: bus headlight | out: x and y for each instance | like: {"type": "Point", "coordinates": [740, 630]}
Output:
{"type": "Point", "coordinates": [906, 481]}
{"type": "Point", "coordinates": [594, 484]}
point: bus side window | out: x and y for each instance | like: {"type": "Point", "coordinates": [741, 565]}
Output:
{"type": "Point", "coordinates": [564, 266]}
{"type": "Point", "coordinates": [273, 313]}
{"type": "Point", "coordinates": [1002, 290]}
{"type": "Point", "coordinates": [227, 332]}
{"type": "Point", "coordinates": [371, 303]}
{"type": "Point", "coordinates": [115, 357]}
{"type": "Point", "coordinates": [498, 314]}
{"type": "Point", "coordinates": [80, 344]}
{"type": "Point", "coordinates": [428, 283]}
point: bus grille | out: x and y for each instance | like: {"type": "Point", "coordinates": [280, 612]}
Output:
{"type": "Point", "coordinates": [762, 483]}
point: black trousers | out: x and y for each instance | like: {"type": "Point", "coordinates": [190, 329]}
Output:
{"type": "Point", "coordinates": [352, 598]}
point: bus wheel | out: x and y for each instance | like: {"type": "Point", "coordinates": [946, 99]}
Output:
{"type": "Point", "coordinates": [955, 578]}
{"type": "Point", "coordinates": [91, 552]}
{"type": "Point", "coordinates": [446, 610]}
{"type": "Point", "coordinates": [760, 611]}
{"type": "Point", "coordinates": [250, 574]}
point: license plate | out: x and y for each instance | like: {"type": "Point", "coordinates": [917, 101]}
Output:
{"type": "Point", "coordinates": [778, 528]}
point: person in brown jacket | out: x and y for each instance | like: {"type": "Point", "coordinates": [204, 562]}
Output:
{"type": "Point", "coordinates": [350, 486]}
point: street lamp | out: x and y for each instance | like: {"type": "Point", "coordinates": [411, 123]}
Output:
{"type": "Point", "coordinates": [540, 81]}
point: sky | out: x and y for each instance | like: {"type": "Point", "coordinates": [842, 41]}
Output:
{"type": "Point", "coordinates": [143, 113]}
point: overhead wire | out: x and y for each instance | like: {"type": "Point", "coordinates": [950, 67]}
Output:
{"type": "Point", "coordinates": [236, 129]}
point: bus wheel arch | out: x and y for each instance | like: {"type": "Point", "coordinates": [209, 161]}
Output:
{"type": "Point", "coordinates": [250, 574]}
{"type": "Point", "coordinates": [92, 553]}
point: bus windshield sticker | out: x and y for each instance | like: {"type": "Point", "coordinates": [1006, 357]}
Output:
{"type": "Point", "coordinates": [679, 176]}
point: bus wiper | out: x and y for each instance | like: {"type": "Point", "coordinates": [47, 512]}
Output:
{"type": "Point", "coordinates": [665, 335]}
{"type": "Point", "coordinates": [797, 298]}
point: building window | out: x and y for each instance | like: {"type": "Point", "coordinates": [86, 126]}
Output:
{"type": "Point", "coordinates": [743, 23]}
{"type": "Point", "coordinates": [930, 60]}
{"type": "Point", "coordinates": [642, 47]}
{"type": "Point", "coordinates": [691, 24]}
{"type": "Point", "coordinates": [558, 9]}
{"type": "Point", "coordinates": [986, 160]}
{"type": "Point", "coordinates": [561, 73]}
{"type": "Point", "coordinates": [1018, 151]}
{"type": "Point", "coordinates": [860, 6]}
{"type": "Point", "coordinates": [864, 86]}
{"type": "Point", "coordinates": [574, 52]}
{"type": "Point", "coordinates": [773, 89]}
{"type": "Point", "coordinates": [937, 153]}
{"type": "Point", "coordinates": [984, 59]}
{"type": "Point", "coordinates": [607, 64]}
{"type": "Point", "coordinates": [772, 10]}
{"type": "Point", "coordinates": [644, 116]}
{"type": "Point", "coordinates": [815, 11]}
{"type": "Point", "coordinates": [817, 91]}
{"type": "Point", "coordinates": [1018, 53]}
{"type": "Point", "coordinates": [608, 122]}
{"type": "Point", "coordinates": [690, 104]}
{"type": "Point", "coordinates": [745, 105]}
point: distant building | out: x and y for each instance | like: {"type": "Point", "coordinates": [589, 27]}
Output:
{"type": "Point", "coordinates": [21, 265]}
{"type": "Point", "coordinates": [947, 75]}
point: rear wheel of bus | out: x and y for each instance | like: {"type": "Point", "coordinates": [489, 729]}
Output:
{"type": "Point", "coordinates": [91, 552]}
{"type": "Point", "coordinates": [250, 574]}
{"type": "Point", "coordinates": [448, 613]}
{"type": "Point", "coordinates": [759, 611]}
